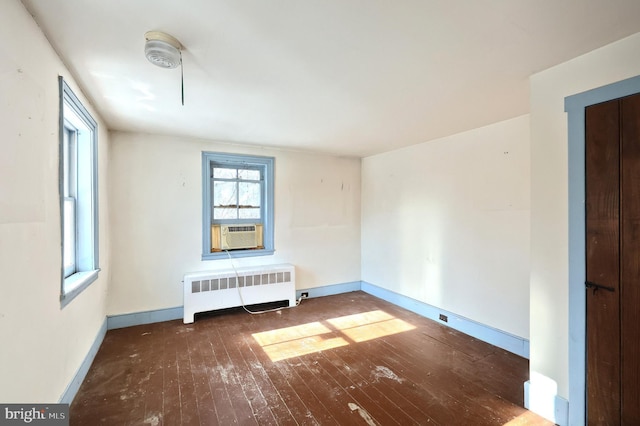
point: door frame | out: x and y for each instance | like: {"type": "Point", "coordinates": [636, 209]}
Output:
{"type": "Point", "coordinates": [575, 106]}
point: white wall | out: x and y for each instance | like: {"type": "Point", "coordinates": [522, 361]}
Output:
{"type": "Point", "coordinates": [549, 204]}
{"type": "Point", "coordinates": [156, 193]}
{"type": "Point", "coordinates": [447, 223]}
{"type": "Point", "coordinates": [42, 346]}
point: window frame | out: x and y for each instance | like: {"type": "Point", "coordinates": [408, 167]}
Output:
{"type": "Point", "coordinates": [240, 161]}
{"type": "Point", "coordinates": [75, 122]}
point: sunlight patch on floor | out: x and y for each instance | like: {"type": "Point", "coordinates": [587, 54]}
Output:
{"type": "Point", "coordinates": [282, 335]}
{"type": "Point", "coordinates": [528, 418]}
{"type": "Point", "coordinates": [299, 340]}
{"type": "Point", "coordinates": [370, 325]}
{"type": "Point", "coordinates": [288, 342]}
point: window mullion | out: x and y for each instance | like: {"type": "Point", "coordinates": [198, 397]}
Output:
{"type": "Point", "coordinates": [263, 201]}
{"type": "Point", "coordinates": [237, 199]}
{"type": "Point", "coordinates": [212, 200]}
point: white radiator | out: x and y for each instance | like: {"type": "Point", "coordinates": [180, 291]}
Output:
{"type": "Point", "coordinates": [211, 290]}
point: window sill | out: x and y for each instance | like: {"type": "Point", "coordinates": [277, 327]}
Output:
{"type": "Point", "coordinates": [237, 253]}
{"type": "Point", "coordinates": [74, 284]}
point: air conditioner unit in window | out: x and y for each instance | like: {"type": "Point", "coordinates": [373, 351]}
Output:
{"type": "Point", "coordinates": [239, 236]}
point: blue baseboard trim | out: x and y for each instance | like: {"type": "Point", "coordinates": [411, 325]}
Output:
{"type": "Point", "coordinates": [147, 317]}
{"type": "Point", "coordinates": [493, 336]}
{"type": "Point", "coordinates": [72, 389]}
{"type": "Point", "coordinates": [330, 290]}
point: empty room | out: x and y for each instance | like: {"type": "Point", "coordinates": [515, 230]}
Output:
{"type": "Point", "coordinates": [320, 213]}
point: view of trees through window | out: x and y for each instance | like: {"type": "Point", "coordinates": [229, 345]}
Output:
{"type": "Point", "coordinates": [236, 193]}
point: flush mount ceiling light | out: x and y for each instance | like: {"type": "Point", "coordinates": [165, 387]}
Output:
{"type": "Point", "coordinates": [165, 51]}
{"type": "Point", "coordinates": [162, 50]}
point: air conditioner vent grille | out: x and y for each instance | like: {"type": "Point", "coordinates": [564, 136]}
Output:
{"type": "Point", "coordinates": [242, 228]}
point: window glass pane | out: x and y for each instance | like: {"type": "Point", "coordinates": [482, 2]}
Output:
{"type": "Point", "coordinates": [253, 213]}
{"type": "Point", "coordinates": [249, 174]}
{"type": "Point", "coordinates": [249, 194]}
{"type": "Point", "coordinates": [225, 194]}
{"type": "Point", "coordinates": [65, 163]}
{"type": "Point", "coordinates": [222, 173]}
{"type": "Point", "coordinates": [69, 237]}
{"type": "Point", "coordinates": [225, 213]}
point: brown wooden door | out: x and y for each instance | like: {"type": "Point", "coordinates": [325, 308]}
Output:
{"type": "Point", "coordinates": [613, 261]}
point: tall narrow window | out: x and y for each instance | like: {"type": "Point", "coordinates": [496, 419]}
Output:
{"type": "Point", "coordinates": [78, 195]}
{"type": "Point", "coordinates": [237, 205]}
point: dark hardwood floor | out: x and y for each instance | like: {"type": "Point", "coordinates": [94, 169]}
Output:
{"type": "Point", "coordinates": [350, 359]}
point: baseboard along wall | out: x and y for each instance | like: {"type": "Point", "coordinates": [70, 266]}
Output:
{"type": "Point", "coordinates": [493, 336]}
{"type": "Point", "coordinates": [140, 318]}
{"type": "Point", "coordinates": [72, 388]}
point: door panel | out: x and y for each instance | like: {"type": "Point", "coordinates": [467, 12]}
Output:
{"type": "Point", "coordinates": [613, 260]}
{"type": "Point", "coordinates": [630, 260]}
{"type": "Point", "coordinates": [603, 262]}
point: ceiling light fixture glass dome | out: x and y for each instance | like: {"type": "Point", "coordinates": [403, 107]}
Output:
{"type": "Point", "coordinates": [162, 50]}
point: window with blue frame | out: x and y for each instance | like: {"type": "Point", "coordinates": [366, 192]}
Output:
{"type": "Point", "coordinates": [237, 205]}
{"type": "Point", "coordinates": [78, 195]}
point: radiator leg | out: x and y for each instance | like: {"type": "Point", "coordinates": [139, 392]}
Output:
{"type": "Point", "coordinates": [188, 318]}
{"type": "Point", "coordinates": [292, 302]}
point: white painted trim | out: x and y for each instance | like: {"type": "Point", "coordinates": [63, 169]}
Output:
{"type": "Point", "coordinates": [493, 336]}
{"type": "Point", "coordinates": [72, 389]}
{"type": "Point", "coordinates": [557, 409]}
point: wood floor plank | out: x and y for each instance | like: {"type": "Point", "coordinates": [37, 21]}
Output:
{"type": "Point", "coordinates": [314, 408]}
{"type": "Point", "coordinates": [358, 396]}
{"type": "Point", "coordinates": [188, 398]}
{"type": "Point", "coordinates": [396, 404]}
{"type": "Point", "coordinates": [153, 399]}
{"type": "Point", "coordinates": [462, 390]}
{"type": "Point", "coordinates": [403, 394]}
{"type": "Point", "coordinates": [231, 403]}
{"type": "Point", "coordinates": [172, 411]}
{"type": "Point", "coordinates": [271, 393]}
{"type": "Point", "coordinates": [153, 395]}
{"type": "Point", "coordinates": [244, 377]}
{"type": "Point", "coordinates": [293, 397]}
{"type": "Point", "coordinates": [328, 393]}
{"type": "Point", "coordinates": [308, 392]}
{"type": "Point", "coordinates": [230, 376]}
{"type": "Point", "coordinates": [200, 367]}
{"type": "Point", "coordinates": [336, 360]}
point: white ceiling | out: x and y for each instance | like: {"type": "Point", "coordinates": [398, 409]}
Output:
{"type": "Point", "coordinates": [349, 77]}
